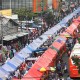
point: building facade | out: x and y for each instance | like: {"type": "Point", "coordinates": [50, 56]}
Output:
{"type": "Point", "coordinates": [0, 4]}
{"type": "Point", "coordinates": [40, 5]}
{"type": "Point", "coordinates": [33, 5]}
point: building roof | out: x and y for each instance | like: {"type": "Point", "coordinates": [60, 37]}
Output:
{"type": "Point", "coordinates": [5, 20]}
{"type": "Point", "coordinates": [14, 36]}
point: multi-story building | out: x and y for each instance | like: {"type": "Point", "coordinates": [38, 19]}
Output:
{"type": "Point", "coordinates": [0, 4]}
{"type": "Point", "coordinates": [34, 5]}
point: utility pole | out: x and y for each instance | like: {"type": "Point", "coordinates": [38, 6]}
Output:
{"type": "Point", "coordinates": [1, 29]}
{"type": "Point", "coordinates": [42, 7]}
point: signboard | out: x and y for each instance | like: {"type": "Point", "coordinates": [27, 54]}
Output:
{"type": "Point", "coordinates": [7, 12]}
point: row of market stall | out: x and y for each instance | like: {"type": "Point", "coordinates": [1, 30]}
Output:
{"type": "Point", "coordinates": [49, 57]}
{"type": "Point", "coordinates": [26, 52]}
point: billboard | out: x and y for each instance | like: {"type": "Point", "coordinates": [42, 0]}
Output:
{"type": "Point", "coordinates": [7, 12]}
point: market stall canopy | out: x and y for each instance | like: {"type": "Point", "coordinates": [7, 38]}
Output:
{"type": "Point", "coordinates": [65, 34]}
{"type": "Point", "coordinates": [9, 67]}
{"type": "Point", "coordinates": [32, 58]}
{"type": "Point", "coordinates": [28, 77]}
{"type": "Point", "coordinates": [25, 51]}
{"type": "Point", "coordinates": [70, 16]}
{"type": "Point", "coordinates": [3, 74]}
{"type": "Point", "coordinates": [43, 61]}
{"type": "Point", "coordinates": [40, 49]}
{"type": "Point", "coordinates": [12, 64]}
{"type": "Point", "coordinates": [70, 29]}
{"type": "Point", "coordinates": [50, 54]}
{"type": "Point", "coordinates": [14, 36]}
{"type": "Point", "coordinates": [57, 45]}
{"type": "Point", "coordinates": [61, 39]}
{"type": "Point", "coordinates": [34, 72]}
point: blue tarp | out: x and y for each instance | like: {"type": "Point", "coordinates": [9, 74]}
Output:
{"type": "Point", "coordinates": [3, 74]}
{"type": "Point", "coordinates": [15, 62]}
{"type": "Point", "coordinates": [40, 49]}
{"type": "Point", "coordinates": [8, 67]}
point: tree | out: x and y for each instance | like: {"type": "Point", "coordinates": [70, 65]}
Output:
{"type": "Point", "coordinates": [24, 13]}
{"type": "Point", "coordinates": [49, 18]}
{"type": "Point", "coordinates": [21, 13]}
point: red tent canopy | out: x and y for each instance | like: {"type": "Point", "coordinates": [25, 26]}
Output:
{"type": "Point", "coordinates": [44, 61]}
{"type": "Point", "coordinates": [34, 72]}
{"type": "Point", "coordinates": [50, 54]}
{"type": "Point", "coordinates": [58, 45]}
{"type": "Point", "coordinates": [77, 20]}
{"type": "Point", "coordinates": [28, 77]}
{"type": "Point", "coordinates": [72, 28]}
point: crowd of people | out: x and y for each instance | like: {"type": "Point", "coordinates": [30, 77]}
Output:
{"type": "Point", "coordinates": [23, 69]}
{"type": "Point", "coordinates": [10, 51]}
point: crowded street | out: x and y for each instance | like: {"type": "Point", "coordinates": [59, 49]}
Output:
{"type": "Point", "coordinates": [40, 40]}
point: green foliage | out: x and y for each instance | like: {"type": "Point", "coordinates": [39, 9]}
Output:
{"type": "Point", "coordinates": [76, 61]}
{"type": "Point", "coordinates": [23, 13]}
{"type": "Point", "coordinates": [49, 18]}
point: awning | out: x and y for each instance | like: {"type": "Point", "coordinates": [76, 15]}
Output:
{"type": "Point", "coordinates": [15, 62]}
{"type": "Point", "coordinates": [27, 77]}
{"type": "Point", "coordinates": [34, 72]}
{"type": "Point", "coordinates": [72, 28]}
{"type": "Point", "coordinates": [22, 34]}
{"type": "Point", "coordinates": [32, 58]}
{"type": "Point", "coordinates": [50, 54]}
{"type": "Point", "coordinates": [14, 36]}
{"type": "Point", "coordinates": [8, 67]}
{"type": "Point", "coordinates": [40, 49]}
{"type": "Point", "coordinates": [25, 50]}
{"type": "Point", "coordinates": [57, 45]}
{"type": "Point", "coordinates": [9, 37]}
{"type": "Point", "coordinates": [43, 61]}
{"type": "Point", "coordinates": [3, 74]}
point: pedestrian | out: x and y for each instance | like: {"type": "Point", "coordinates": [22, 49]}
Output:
{"type": "Point", "coordinates": [65, 68]}
{"type": "Point", "coordinates": [60, 75]}
{"type": "Point", "coordinates": [58, 66]}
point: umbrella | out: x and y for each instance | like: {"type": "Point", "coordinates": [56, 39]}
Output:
{"type": "Point", "coordinates": [47, 69]}
{"type": "Point", "coordinates": [51, 68]}
{"type": "Point", "coordinates": [67, 36]}
{"type": "Point", "coordinates": [42, 69]}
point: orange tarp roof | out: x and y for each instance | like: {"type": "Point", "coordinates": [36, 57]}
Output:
{"type": "Point", "coordinates": [34, 72]}
{"type": "Point", "coordinates": [28, 77]}
{"type": "Point", "coordinates": [57, 45]}
{"type": "Point", "coordinates": [44, 61]}
{"type": "Point", "coordinates": [72, 27]}
{"type": "Point", "coordinates": [50, 55]}
{"type": "Point", "coordinates": [77, 20]}
{"type": "Point", "coordinates": [52, 52]}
